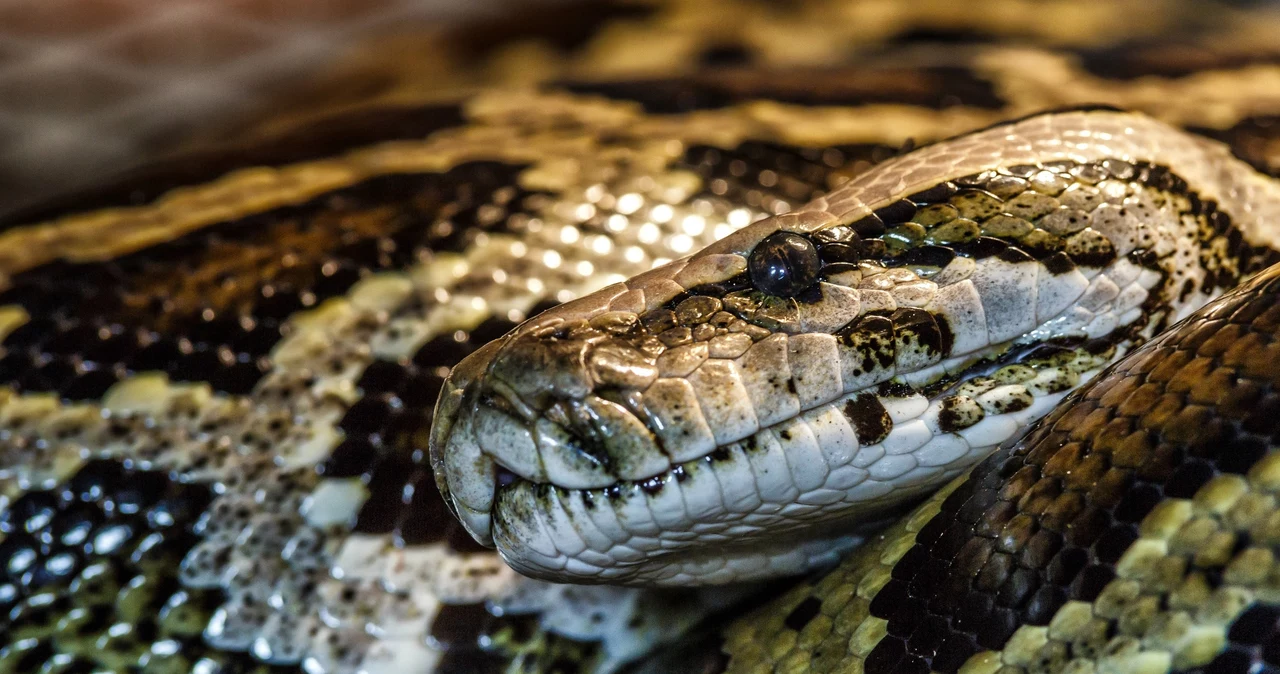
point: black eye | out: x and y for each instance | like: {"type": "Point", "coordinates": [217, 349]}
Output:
{"type": "Point", "coordinates": [784, 264]}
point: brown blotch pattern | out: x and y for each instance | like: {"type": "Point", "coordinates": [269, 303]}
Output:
{"type": "Point", "coordinates": [210, 305]}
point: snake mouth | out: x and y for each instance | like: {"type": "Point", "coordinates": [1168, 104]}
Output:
{"type": "Point", "coordinates": [584, 486]}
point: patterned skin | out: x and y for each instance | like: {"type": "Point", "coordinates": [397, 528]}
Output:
{"type": "Point", "coordinates": [609, 443]}
{"type": "Point", "coordinates": [1133, 529]}
{"type": "Point", "coordinates": [217, 378]}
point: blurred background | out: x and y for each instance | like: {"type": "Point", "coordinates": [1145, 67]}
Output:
{"type": "Point", "coordinates": [93, 86]}
{"type": "Point", "coordinates": [90, 88]}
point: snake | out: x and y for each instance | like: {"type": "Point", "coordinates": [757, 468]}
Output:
{"type": "Point", "coordinates": [833, 337]}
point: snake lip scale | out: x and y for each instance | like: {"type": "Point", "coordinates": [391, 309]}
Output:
{"type": "Point", "coordinates": [609, 404]}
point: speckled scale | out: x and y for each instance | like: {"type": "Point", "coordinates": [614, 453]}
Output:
{"type": "Point", "coordinates": [90, 575]}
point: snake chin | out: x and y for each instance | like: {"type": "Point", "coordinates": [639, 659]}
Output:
{"type": "Point", "coordinates": [720, 563]}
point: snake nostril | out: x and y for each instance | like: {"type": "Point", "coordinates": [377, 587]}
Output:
{"type": "Point", "coordinates": [537, 367]}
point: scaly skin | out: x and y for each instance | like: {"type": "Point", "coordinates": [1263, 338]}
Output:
{"type": "Point", "coordinates": [1134, 529]}
{"type": "Point", "coordinates": [216, 379]}
{"type": "Point", "coordinates": [610, 443]}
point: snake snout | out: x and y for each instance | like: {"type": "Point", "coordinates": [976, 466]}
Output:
{"type": "Point", "coordinates": [557, 406]}
{"type": "Point", "coordinates": [464, 474]}
{"type": "Point", "coordinates": [523, 408]}
{"type": "Point", "coordinates": [536, 368]}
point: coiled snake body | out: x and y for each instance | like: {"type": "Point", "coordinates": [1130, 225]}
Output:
{"type": "Point", "coordinates": [222, 449]}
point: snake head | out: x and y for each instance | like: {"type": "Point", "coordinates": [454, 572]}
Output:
{"type": "Point", "coordinates": [626, 391]}
{"type": "Point", "coordinates": [749, 410]}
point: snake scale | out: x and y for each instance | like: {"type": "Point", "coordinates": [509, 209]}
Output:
{"type": "Point", "coordinates": [807, 336]}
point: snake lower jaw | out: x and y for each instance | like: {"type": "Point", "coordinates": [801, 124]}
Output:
{"type": "Point", "coordinates": [535, 549]}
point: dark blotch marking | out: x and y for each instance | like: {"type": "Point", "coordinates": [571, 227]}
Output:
{"type": "Point", "coordinates": [658, 321]}
{"type": "Point", "coordinates": [803, 613]}
{"type": "Point", "coordinates": [896, 212]}
{"type": "Point", "coordinates": [719, 455]}
{"type": "Point", "coordinates": [871, 336]}
{"type": "Point", "coordinates": [567, 27]}
{"type": "Point", "coordinates": [934, 87]}
{"type": "Point", "coordinates": [1169, 60]}
{"type": "Point", "coordinates": [946, 336]}
{"type": "Point", "coordinates": [982, 247]}
{"type": "Point", "coordinates": [211, 305]}
{"type": "Point", "coordinates": [938, 193]}
{"type": "Point", "coordinates": [834, 268]}
{"type": "Point", "coordinates": [869, 227]}
{"type": "Point", "coordinates": [1013, 405]}
{"type": "Point", "coordinates": [1252, 140]}
{"type": "Point", "coordinates": [1251, 644]}
{"type": "Point", "coordinates": [840, 252]}
{"type": "Point", "coordinates": [427, 519]}
{"type": "Point", "coordinates": [460, 624]}
{"type": "Point", "coordinates": [869, 418]}
{"type": "Point", "coordinates": [386, 495]}
{"type": "Point", "coordinates": [949, 420]}
{"type": "Point", "coordinates": [701, 652]}
{"type": "Point", "coordinates": [874, 249]}
{"type": "Point", "coordinates": [319, 139]}
{"type": "Point", "coordinates": [1058, 263]}
{"type": "Point", "coordinates": [925, 256]}
{"type": "Point", "coordinates": [383, 442]}
{"type": "Point", "coordinates": [913, 322]}
{"type": "Point", "coordinates": [719, 289]}
{"type": "Point", "coordinates": [1099, 256]}
{"type": "Point", "coordinates": [1014, 256]}
{"type": "Point", "coordinates": [725, 55]}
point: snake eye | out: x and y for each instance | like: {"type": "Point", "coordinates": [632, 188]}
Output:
{"type": "Point", "coordinates": [784, 264]}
